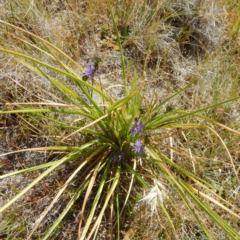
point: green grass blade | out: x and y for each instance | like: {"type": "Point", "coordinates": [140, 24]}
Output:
{"type": "Point", "coordinates": [49, 164]}
{"type": "Point", "coordinates": [121, 102]}
{"type": "Point", "coordinates": [47, 110]}
{"type": "Point", "coordinates": [137, 175]}
{"type": "Point", "coordinates": [156, 108]}
{"type": "Point", "coordinates": [114, 184]}
{"type": "Point", "coordinates": [37, 180]}
{"type": "Point", "coordinates": [217, 219]}
{"type": "Point", "coordinates": [96, 199]}
{"type": "Point", "coordinates": [183, 114]}
{"type": "Point", "coordinates": [118, 213]}
{"type": "Point", "coordinates": [67, 209]}
{"type": "Point", "coordinates": [120, 47]}
{"type": "Point", "coordinates": [78, 80]}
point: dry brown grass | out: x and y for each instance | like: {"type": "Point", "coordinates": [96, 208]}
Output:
{"type": "Point", "coordinates": [169, 43]}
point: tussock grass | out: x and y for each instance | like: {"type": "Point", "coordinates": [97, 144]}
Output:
{"type": "Point", "coordinates": [192, 162]}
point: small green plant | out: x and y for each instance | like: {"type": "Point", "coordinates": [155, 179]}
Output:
{"type": "Point", "coordinates": [120, 144]}
{"type": "Point", "coordinates": [12, 216]}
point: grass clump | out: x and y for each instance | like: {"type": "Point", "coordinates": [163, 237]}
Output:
{"type": "Point", "coordinates": [102, 150]}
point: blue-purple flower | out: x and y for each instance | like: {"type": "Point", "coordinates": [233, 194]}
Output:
{"type": "Point", "coordinates": [118, 156]}
{"type": "Point", "coordinates": [89, 71]}
{"type": "Point", "coordinates": [137, 128]}
{"type": "Point", "coordinates": [138, 147]}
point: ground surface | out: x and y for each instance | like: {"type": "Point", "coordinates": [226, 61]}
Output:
{"type": "Point", "coordinates": [193, 42]}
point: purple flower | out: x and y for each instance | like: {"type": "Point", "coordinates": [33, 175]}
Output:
{"type": "Point", "coordinates": [138, 147]}
{"type": "Point", "coordinates": [137, 128]}
{"type": "Point", "coordinates": [118, 156]}
{"type": "Point", "coordinates": [89, 71]}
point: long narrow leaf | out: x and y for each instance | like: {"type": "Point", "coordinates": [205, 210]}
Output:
{"type": "Point", "coordinates": [108, 196]}
{"type": "Point", "coordinates": [67, 208]}
{"type": "Point", "coordinates": [58, 70]}
{"type": "Point", "coordinates": [37, 180]}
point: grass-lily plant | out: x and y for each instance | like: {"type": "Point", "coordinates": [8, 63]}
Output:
{"type": "Point", "coordinates": [115, 144]}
